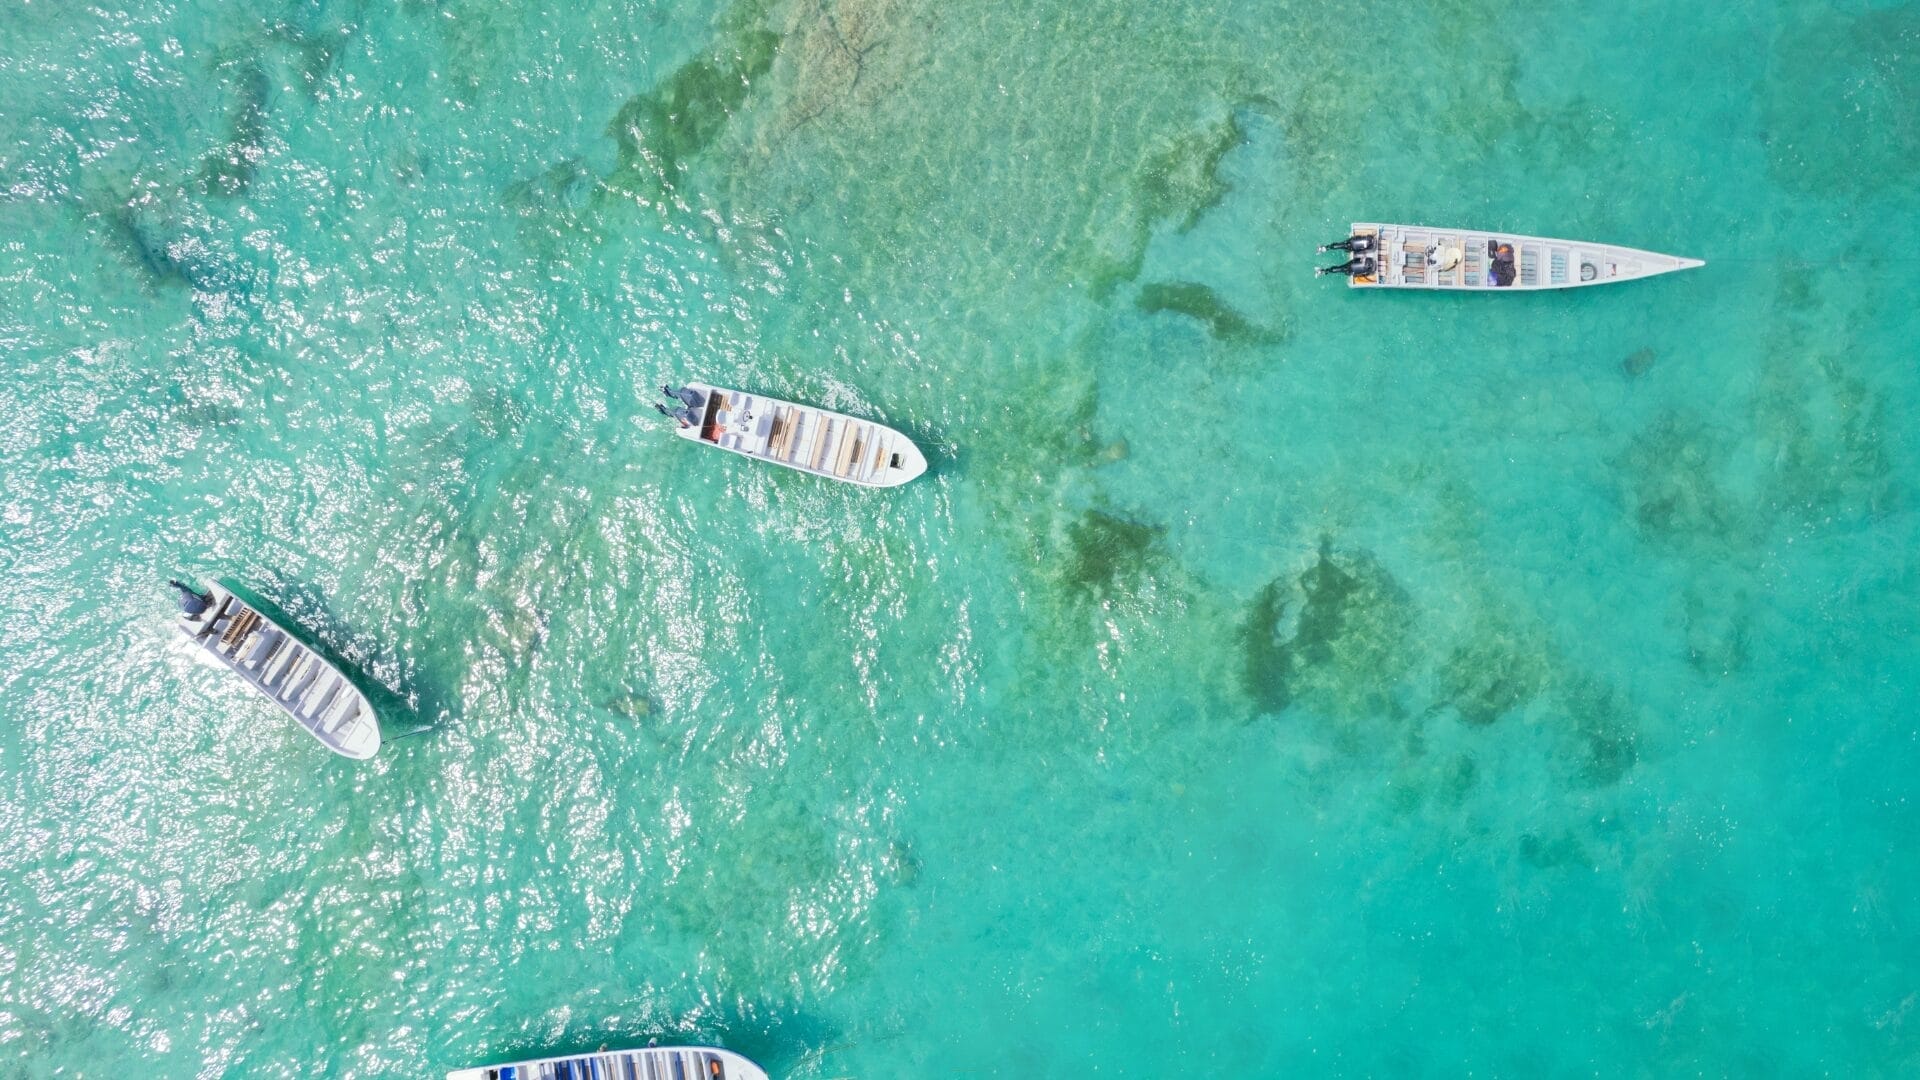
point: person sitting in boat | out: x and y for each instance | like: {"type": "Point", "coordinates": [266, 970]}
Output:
{"type": "Point", "coordinates": [1352, 245]}
{"type": "Point", "coordinates": [1358, 266]}
{"type": "Point", "coordinates": [192, 604]}
{"type": "Point", "coordinates": [1500, 268]}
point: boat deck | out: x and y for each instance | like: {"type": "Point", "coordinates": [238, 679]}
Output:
{"type": "Point", "coordinates": [654, 1063]}
{"type": "Point", "coordinates": [1418, 257]}
{"type": "Point", "coordinates": [809, 439]}
{"type": "Point", "coordinates": [302, 683]}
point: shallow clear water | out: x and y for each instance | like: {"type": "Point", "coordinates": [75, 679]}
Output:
{"type": "Point", "coordinates": [1266, 679]}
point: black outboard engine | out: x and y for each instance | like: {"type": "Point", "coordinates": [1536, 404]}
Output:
{"type": "Point", "coordinates": [192, 604]}
{"type": "Point", "coordinates": [688, 396]}
{"type": "Point", "coordinates": [1358, 266]}
{"type": "Point", "coordinates": [1352, 245]}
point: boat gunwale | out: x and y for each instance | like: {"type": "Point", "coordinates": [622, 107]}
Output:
{"type": "Point", "coordinates": [201, 638]}
{"type": "Point", "coordinates": [738, 1066]}
{"type": "Point", "coordinates": [823, 414]}
{"type": "Point", "coordinates": [1644, 255]}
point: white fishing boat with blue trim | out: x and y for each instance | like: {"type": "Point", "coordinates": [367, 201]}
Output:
{"type": "Point", "coordinates": [652, 1063]}
{"type": "Point", "coordinates": [802, 437]}
{"type": "Point", "coordinates": [282, 668]}
{"type": "Point", "coordinates": [1422, 257]}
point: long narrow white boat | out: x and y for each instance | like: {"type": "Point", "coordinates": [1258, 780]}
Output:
{"type": "Point", "coordinates": [654, 1063]}
{"type": "Point", "coordinates": [801, 437]}
{"type": "Point", "coordinates": [287, 671]}
{"type": "Point", "coordinates": [1420, 257]}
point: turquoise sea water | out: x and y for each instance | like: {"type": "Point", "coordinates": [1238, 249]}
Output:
{"type": "Point", "coordinates": [1266, 680]}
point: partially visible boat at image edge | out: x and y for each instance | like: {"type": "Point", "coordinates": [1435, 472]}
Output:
{"type": "Point", "coordinates": [651, 1063]}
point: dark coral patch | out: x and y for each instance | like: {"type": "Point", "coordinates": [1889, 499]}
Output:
{"type": "Point", "coordinates": [1638, 363]}
{"type": "Point", "coordinates": [1551, 852]}
{"type": "Point", "coordinates": [1673, 484]}
{"type": "Point", "coordinates": [1202, 304]}
{"type": "Point", "coordinates": [662, 131]}
{"type": "Point", "coordinates": [1602, 734]}
{"type": "Point", "coordinates": [1267, 663]}
{"type": "Point", "coordinates": [1176, 183]}
{"type": "Point", "coordinates": [1348, 648]}
{"type": "Point", "coordinates": [1182, 181]}
{"type": "Point", "coordinates": [229, 170]}
{"type": "Point", "coordinates": [1491, 676]}
{"type": "Point", "coordinates": [1108, 554]}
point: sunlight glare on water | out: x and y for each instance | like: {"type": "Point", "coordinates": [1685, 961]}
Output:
{"type": "Point", "coordinates": [1265, 680]}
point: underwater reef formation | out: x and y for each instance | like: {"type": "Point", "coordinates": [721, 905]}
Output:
{"type": "Point", "coordinates": [1108, 555]}
{"type": "Point", "coordinates": [1491, 674]}
{"type": "Point", "coordinates": [1602, 736]}
{"type": "Point", "coordinates": [229, 170]}
{"type": "Point", "coordinates": [1175, 184]}
{"type": "Point", "coordinates": [662, 131]}
{"type": "Point", "coordinates": [1818, 436]}
{"type": "Point", "coordinates": [848, 54]}
{"type": "Point", "coordinates": [1674, 478]}
{"type": "Point", "coordinates": [1337, 637]}
{"type": "Point", "coordinates": [1202, 304]}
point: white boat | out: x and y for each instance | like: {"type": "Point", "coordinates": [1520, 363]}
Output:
{"type": "Point", "coordinates": [1420, 257]}
{"type": "Point", "coordinates": [653, 1063]}
{"type": "Point", "coordinates": [287, 671]}
{"type": "Point", "coordinates": [802, 437]}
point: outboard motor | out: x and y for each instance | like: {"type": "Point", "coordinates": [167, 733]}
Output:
{"type": "Point", "coordinates": [1361, 266]}
{"type": "Point", "coordinates": [1352, 245]}
{"type": "Point", "coordinates": [692, 398]}
{"type": "Point", "coordinates": [192, 604]}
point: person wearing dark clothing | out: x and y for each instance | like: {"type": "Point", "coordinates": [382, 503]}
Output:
{"type": "Point", "coordinates": [192, 603]}
{"type": "Point", "coordinates": [1501, 267]}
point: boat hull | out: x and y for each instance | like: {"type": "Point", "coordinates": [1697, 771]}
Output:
{"type": "Point", "coordinates": [811, 440]}
{"type": "Point", "coordinates": [1461, 260]}
{"type": "Point", "coordinates": [652, 1063]}
{"type": "Point", "coordinates": [280, 666]}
